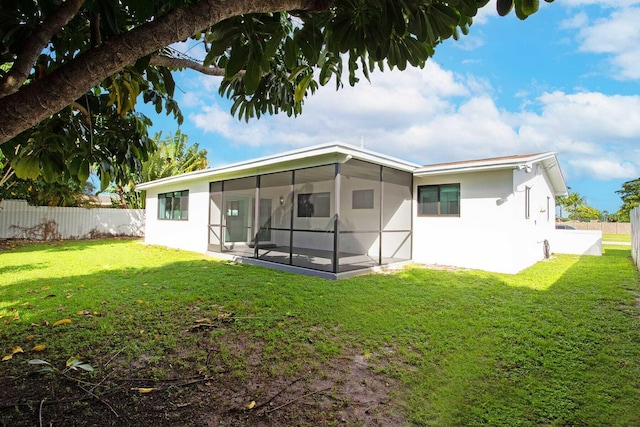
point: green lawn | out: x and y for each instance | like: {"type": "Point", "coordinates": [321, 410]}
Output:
{"type": "Point", "coordinates": [616, 238]}
{"type": "Point", "coordinates": [558, 344]}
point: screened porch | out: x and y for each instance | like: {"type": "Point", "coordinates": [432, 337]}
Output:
{"type": "Point", "coordinates": [334, 218]}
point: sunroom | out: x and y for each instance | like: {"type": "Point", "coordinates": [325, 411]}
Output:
{"type": "Point", "coordinates": [331, 215]}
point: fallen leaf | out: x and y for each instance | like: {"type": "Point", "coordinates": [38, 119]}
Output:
{"type": "Point", "coordinates": [204, 320]}
{"type": "Point", "coordinates": [38, 348]}
{"type": "Point", "coordinates": [30, 337]}
{"type": "Point", "coordinates": [69, 296]}
{"type": "Point", "coordinates": [80, 286]}
{"type": "Point", "coordinates": [16, 316]}
{"type": "Point", "coordinates": [61, 322]}
{"type": "Point", "coordinates": [84, 312]}
{"type": "Point", "coordinates": [142, 389]}
{"type": "Point", "coordinates": [44, 288]}
{"type": "Point", "coordinates": [251, 405]}
{"type": "Point", "coordinates": [14, 350]}
{"type": "Point", "coordinates": [138, 301]}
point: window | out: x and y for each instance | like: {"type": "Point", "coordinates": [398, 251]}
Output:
{"type": "Point", "coordinates": [548, 208]}
{"type": "Point", "coordinates": [439, 200]}
{"type": "Point", "coordinates": [314, 205]}
{"type": "Point", "coordinates": [174, 205]}
{"type": "Point", "coordinates": [527, 202]}
{"type": "Point", "coordinates": [362, 199]}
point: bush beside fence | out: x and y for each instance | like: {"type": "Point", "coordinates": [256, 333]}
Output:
{"type": "Point", "coordinates": [18, 220]}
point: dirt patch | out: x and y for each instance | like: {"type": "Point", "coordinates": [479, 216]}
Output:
{"type": "Point", "coordinates": [232, 384]}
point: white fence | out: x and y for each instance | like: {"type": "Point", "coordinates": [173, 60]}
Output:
{"type": "Point", "coordinates": [635, 235]}
{"type": "Point", "coordinates": [18, 220]}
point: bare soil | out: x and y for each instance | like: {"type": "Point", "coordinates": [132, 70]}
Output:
{"type": "Point", "coordinates": [241, 391]}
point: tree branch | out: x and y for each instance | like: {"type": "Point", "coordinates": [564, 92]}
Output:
{"type": "Point", "coordinates": [38, 100]}
{"type": "Point", "coordinates": [166, 61]}
{"type": "Point", "coordinates": [32, 47]}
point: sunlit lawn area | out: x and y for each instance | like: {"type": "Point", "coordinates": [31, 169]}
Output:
{"type": "Point", "coordinates": [616, 238]}
{"type": "Point", "coordinates": [558, 344]}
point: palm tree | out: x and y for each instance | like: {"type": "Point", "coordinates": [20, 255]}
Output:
{"type": "Point", "coordinates": [572, 202]}
{"type": "Point", "coordinates": [172, 157]}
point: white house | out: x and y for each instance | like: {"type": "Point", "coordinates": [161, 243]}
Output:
{"type": "Point", "coordinates": [335, 210]}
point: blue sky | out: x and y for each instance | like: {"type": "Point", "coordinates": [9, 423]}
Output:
{"type": "Point", "coordinates": [566, 80]}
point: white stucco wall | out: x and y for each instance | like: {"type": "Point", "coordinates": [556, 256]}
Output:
{"type": "Point", "coordinates": [189, 235]}
{"type": "Point", "coordinates": [578, 242]}
{"type": "Point", "coordinates": [491, 232]}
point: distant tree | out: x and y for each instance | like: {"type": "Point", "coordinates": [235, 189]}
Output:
{"type": "Point", "coordinates": [570, 202]}
{"type": "Point", "coordinates": [173, 156]}
{"type": "Point", "coordinates": [630, 195]}
{"type": "Point", "coordinates": [585, 213]}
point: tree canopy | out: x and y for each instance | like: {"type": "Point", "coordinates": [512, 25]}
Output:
{"type": "Point", "coordinates": [630, 195]}
{"type": "Point", "coordinates": [173, 156]}
{"type": "Point", "coordinates": [72, 71]}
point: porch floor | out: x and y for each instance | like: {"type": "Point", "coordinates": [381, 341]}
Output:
{"type": "Point", "coordinates": [315, 259]}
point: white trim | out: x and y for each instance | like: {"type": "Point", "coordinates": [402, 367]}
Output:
{"type": "Point", "coordinates": [306, 157]}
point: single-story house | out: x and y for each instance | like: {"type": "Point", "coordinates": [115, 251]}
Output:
{"type": "Point", "coordinates": [335, 210]}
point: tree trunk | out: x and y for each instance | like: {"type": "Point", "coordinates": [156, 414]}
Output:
{"type": "Point", "coordinates": [43, 98]}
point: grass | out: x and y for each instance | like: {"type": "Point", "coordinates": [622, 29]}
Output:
{"type": "Point", "coordinates": [616, 238]}
{"type": "Point", "coordinates": [557, 344]}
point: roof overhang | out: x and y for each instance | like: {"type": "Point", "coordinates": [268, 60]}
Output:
{"type": "Point", "coordinates": [548, 162]}
{"type": "Point", "coordinates": [324, 154]}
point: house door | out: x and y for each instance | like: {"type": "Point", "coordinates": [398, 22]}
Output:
{"type": "Point", "coordinates": [236, 221]}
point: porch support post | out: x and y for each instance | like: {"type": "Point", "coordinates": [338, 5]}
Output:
{"type": "Point", "coordinates": [381, 223]}
{"type": "Point", "coordinates": [336, 220]}
{"type": "Point", "coordinates": [293, 198]}
{"type": "Point", "coordinates": [256, 218]}
{"type": "Point", "coordinates": [222, 217]}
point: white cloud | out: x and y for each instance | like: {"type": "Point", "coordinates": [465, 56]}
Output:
{"type": "Point", "coordinates": [617, 35]}
{"type": "Point", "coordinates": [608, 168]}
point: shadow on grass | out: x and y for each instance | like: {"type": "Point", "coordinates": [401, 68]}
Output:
{"type": "Point", "coordinates": [25, 246]}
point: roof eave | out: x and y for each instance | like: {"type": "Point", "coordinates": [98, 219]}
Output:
{"type": "Point", "coordinates": [307, 157]}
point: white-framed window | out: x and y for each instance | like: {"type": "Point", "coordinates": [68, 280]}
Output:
{"type": "Point", "coordinates": [174, 205]}
{"type": "Point", "coordinates": [527, 202]}
{"type": "Point", "coordinates": [439, 200]}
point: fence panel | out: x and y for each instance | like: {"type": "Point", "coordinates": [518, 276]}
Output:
{"type": "Point", "coordinates": [21, 221]}
{"type": "Point", "coordinates": [635, 235]}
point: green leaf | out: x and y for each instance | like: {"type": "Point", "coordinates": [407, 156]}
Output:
{"type": "Point", "coordinates": [290, 53]}
{"type": "Point", "coordinates": [252, 76]}
{"type": "Point", "coordinates": [301, 89]}
{"type": "Point", "coordinates": [83, 171]}
{"type": "Point", "coordinates": [27, 167]}
{"type": "Point", "coordinates": [49, 170]}
{"type": "Point", "coordinates": [447, 15]}
{"type": "Point", "coordinates": [237, 61]}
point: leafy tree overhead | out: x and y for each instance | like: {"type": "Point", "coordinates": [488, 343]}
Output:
{"type": "Point", "coordinates": [72, 71]}
{"type": "Point", "coordinates": [173, 156]}
{"type": "Point", "coordinates": [630, 195]}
